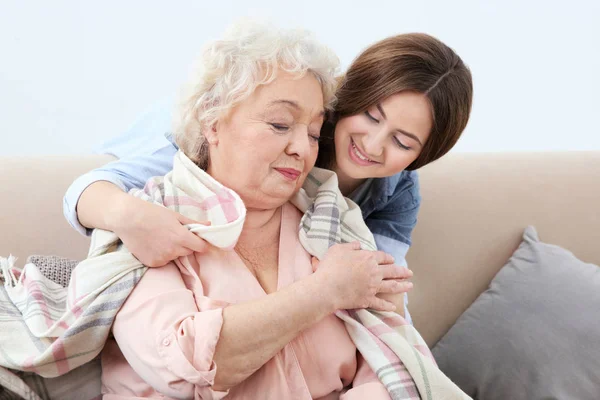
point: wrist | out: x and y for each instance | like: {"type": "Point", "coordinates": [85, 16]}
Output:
{"type": "Point", "coordinates": [320, 290]}
{"type": "Point", "coordinates": [120, 209]}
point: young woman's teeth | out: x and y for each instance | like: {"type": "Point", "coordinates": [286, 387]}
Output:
{"type": "Point", "coordinates": [358, 154]}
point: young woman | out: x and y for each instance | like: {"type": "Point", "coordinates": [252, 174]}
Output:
{"type": "Point", "coordinates": [403, 103]}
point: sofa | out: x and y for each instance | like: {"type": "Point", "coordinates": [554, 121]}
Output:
{"type": "Point", "coordinates": [474, 210]}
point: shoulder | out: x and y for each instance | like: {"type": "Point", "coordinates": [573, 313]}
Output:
{"type": "Point", "coordinates": [149, 133]}
{"type": "Point", "coordinates": [394, 215]}
{"type": "Point", "coordinates": [402, 191]}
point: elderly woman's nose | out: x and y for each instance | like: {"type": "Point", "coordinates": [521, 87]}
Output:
{"type": "Point", "coordinates": [300, 144]}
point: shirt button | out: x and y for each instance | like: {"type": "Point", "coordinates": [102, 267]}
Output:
{"type": "Point", "coordinates": [166, 342]}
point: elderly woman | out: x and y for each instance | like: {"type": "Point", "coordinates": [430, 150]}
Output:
{"type": "Point", "coordinates": [253, 322]}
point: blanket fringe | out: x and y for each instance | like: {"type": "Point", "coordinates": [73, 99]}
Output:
{"type": "Point", "coordinates": [15, 385]}
{"type": "Point", "coordinates": [6, 271]}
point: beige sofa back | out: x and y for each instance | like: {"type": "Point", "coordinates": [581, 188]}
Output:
{"type": "Point", "coordinates": [475, 207]}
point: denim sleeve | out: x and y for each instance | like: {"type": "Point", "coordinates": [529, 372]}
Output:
{"type": "Point", "coordinates": [144, 136]}
{"type": "Point", "coordinates": [397, 218]}
{"type": "Point", "coordinates": [144, 151]}
{"type": "Point", "coordinates": [393, 223]}
{"type": "Point", "coordinates": [126, 173]}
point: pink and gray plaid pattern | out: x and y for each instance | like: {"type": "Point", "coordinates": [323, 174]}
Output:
{"type": "Point", "coordinates": [391, 346]}
{"type": "Point", "coordinates": [51, 330]}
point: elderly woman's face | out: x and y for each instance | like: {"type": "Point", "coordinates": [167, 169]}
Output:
{"type": "Point", "coordinates": [267, 145]}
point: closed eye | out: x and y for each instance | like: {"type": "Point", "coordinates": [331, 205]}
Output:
{"type": "Point", "coordinates": [399, 143]}
{"type": "Point", "coordinates": [315, 138]}
{"type": "Point", "coordinates": [372, 118]}
{"type": "Point", "coordinates": [280, 127]}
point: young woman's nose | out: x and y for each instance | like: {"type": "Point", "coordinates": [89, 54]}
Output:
{"type": "Point", "coordinates": [373, 142]}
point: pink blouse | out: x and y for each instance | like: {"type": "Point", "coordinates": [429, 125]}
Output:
{"type": "Point", "coordinates": [166, 333]}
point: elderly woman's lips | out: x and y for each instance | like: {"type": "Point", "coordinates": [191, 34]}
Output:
{"type": "Point", "coordinates": [289, 173]}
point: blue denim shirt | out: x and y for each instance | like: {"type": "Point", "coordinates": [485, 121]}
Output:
{"type": "Point", "coordinates": [389, 205]}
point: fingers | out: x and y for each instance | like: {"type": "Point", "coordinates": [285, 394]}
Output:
{"type": "Point", "coordinates": [151, 263]}
{"type": "Point", "coordinates": [389, 286]}
{"type": "Point", "coordinates": [153, 260]}
{"type": "Point", "coordinates": [392, 271]}
{"type": "Point", "coordinates": [188, 221]}
{"type": "Point", "coordinates": [403, 273]}
{"type": "Point", "coordinates": [382, 305]}
{"type": "Point", "coordinates": [383, 258]}
{"type": "Point", "coordinates": [395, 286]}
{"type": "Point", "coordinates": [193, 243]}
{"type": "Point", "coordinates": [159, 260]}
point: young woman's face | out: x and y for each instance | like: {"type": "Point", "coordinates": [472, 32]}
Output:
{"type": "Point", "coordinates": [385, 139]}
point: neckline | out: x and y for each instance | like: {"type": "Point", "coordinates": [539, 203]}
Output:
{"type": "Point", "coordinates": [283, 257]}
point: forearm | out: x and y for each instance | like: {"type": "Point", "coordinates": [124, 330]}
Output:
{"type": "Point", "coordinates": [99, 204]}
{"type": "Point", "coordinates": [254, 332]}
{"type": "Point", "coordinates": [132, 171]}
{"type": "Point", "coordinates": [182, 342]}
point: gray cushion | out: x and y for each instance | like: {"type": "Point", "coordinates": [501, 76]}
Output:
{"type": "Point", "coordinates": [57, 269]}
{"type": "Point", "coordinates": [533, 334]}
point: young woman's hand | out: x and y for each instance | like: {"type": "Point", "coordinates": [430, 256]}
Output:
{"type": "Point", "coordinates": [154, 234]}
{"type": "Point", "coordinates": [354, 278]}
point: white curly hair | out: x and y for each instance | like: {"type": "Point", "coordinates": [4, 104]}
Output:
{"type": "Point", "coordinates": [231, 68]}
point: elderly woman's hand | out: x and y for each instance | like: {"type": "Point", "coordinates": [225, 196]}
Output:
{"type": "Point", "coordinates": [155, 235]}
{"type": "Point", "coordinates": [355, 277]}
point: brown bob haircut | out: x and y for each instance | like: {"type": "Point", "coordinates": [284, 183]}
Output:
{"type": "Point", "coordinates": [414, 62]}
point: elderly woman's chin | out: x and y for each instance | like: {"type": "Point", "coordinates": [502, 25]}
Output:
{"type": "Point", "coordinates": [267, 190]}
{"type": "Point", "coordinates": [276, 194]}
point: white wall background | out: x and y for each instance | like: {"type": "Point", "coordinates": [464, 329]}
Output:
{"type": "Point", "coordinates": [75, 73]}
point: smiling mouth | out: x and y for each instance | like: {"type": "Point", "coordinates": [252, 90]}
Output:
{"type": "Point", "coordinates": [359, 155]}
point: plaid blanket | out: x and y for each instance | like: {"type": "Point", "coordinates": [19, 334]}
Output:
{"type": "Point", "coordinates": [51, 330]}
{"type": "Point", "coordinates": [392, 347]}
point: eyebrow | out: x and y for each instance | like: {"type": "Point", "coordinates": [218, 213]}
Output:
{"type": "Point", "coordinates": [410, 135]}
{"type": "Point", "coordinates": [292, 104]}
